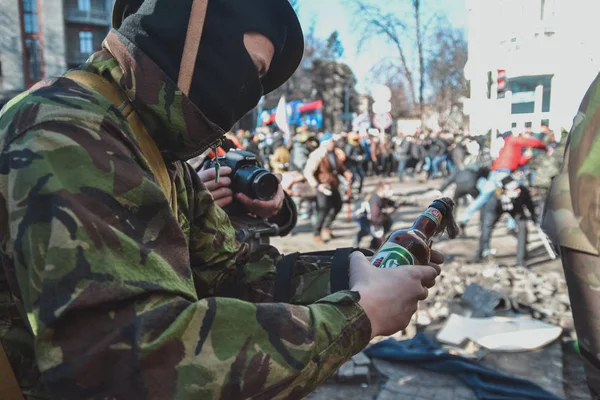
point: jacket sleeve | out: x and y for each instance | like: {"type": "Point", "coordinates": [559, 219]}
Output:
{"type": "Point", "coordinates": [113, 306]}
{"type": "Point", "coordinates": [530, 142]}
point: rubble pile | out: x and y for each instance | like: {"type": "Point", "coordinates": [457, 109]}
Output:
{"type": "Point", "coordinates": [542, 295]}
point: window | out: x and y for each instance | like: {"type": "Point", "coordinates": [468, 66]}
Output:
{"type": "Point", "coordinates": [30, 16]}
{"type": "Point", "coordinates": [523, 90]}
{"type": "Point", "coordinates": [84, 5]}
{"type": "Point", "coordinates": [32, 48]}
{"type": "Point", "coordinates": [86, 42]}
{"type": "Point", "coordinates": [545, 122]}
{"type": "Point", "coordinates": [513, 125]}
{"type": "Point", "coordinates": [523, 100]}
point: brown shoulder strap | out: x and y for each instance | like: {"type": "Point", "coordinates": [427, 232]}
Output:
{"type": "Point", "coordinates": [143, 138]}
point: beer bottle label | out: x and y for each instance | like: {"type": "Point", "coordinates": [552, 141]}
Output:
{"type": "Point", "coordinates": [434, 214]}
{"type": "Point", "coordinates": [392, 255]}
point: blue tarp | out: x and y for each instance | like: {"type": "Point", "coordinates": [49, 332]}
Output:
{"type": "Point", "coordinates": [486, 383]}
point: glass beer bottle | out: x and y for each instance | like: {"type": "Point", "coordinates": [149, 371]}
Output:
{"type": "Point", "coordinates": [412, 246]}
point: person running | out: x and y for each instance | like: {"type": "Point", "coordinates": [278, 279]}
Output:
{"type": "Point", "coordinates": [515, 200]}
{"type": "Point", "coordinates": [510, 159]}
{"type": "Point", "coordinates": [322, 172]}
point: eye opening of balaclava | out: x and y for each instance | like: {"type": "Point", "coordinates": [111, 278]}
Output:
{"type": "Point", "coordinates": [225, 83]}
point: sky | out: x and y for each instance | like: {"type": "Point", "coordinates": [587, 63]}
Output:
{"type": "Point", "coordinates": [330, 15]}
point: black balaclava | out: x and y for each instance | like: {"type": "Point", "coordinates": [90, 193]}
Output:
{"type": "Point", "coordinates": [225, 83]}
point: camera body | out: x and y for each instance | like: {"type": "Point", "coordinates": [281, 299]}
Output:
{"type": "Point", "coordinates": [247, 176]}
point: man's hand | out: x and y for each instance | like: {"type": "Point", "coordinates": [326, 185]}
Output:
{"type": "Point", "coordinates": [390, 296]}
{"type": "Point", "coordinates": [223, 195]}
{"type": "Point", "coordinates": [220, 192]}
{"type": "Point", "coordinates": [264, 209]}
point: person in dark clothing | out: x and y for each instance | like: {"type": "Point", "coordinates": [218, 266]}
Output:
{"type": "Point", "coordinates": [304, 144]}
{"type": "Point", "coordinates": [254, 148]}
{"type": "Point", "coordinates": [513, 198]}
{"type": "Point", "coordinates": [403, 154]}
{"type": "Point", "coordinates": [466, 180]}
{"type": "Point", "coordinates": [418, 154]}
{"type": "Point", "coordinates": [458, 154]}
{"type": "Point", "coordinates": [355, 158]}
{"type": "Point", "coordinates": [374, 216]}
{"type": "Point", "coordinates": [438, 153]}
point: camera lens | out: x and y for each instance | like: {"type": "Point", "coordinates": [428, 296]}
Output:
{"type": "Point", "coordinates": [255, 182]}
{"type": "Point", "coordinates": [265, 185]}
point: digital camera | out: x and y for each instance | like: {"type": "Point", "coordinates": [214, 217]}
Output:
{"type": "Point", "coordinates": [247, 176]}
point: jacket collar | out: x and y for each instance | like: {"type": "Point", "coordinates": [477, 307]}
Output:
{"type": "Point", "coordinates": [181, 131]}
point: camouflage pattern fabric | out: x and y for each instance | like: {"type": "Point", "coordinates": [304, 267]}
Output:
{"type": "Point", "coordinates": [572, 221]}
{"type": "Point", "coordinates": [105, 294]}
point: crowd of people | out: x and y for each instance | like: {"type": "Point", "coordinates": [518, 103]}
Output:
{"type": "Point", "coordinates": [322, 171]}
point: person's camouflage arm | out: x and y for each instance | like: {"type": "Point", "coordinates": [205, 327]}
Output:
{"type": "Point", "coordinates": [223, 267]}
{"type": "Point", "coordinates": [110, 296]}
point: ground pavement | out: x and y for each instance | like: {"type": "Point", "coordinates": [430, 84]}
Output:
{"type": "Point", "coordinates": [553, 369]}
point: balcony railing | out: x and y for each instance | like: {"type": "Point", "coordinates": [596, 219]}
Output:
{"type": "Point", "coordinates": [95, 17]}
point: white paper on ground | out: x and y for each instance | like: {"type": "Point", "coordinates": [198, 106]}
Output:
{"type": "Point", "coordinates": [499, 333]}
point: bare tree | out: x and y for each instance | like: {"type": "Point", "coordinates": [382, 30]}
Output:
{"type": "Point", "coordinates": [419, 33]}
{"type": "Point", "coordinates": [374, 22]}
{"type": "Point", "coordinates": [445, 74]}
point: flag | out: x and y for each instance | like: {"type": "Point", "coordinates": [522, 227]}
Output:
{"type": "Point", "coordinates": [281, 117]}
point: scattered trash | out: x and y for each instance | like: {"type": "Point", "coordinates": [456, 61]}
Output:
{"type": "Point", "coordinates": [469, 349]}
{"type": "Point", "coordinates": [499, 333]}
{"type": "Point", "coordinates": [356, 370]}
{"type": "Point", "coordinates": [541, 295]}
{"type": "Point", "coordinates": [485, 302]}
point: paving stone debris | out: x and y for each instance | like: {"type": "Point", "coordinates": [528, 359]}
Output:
{"type": "Point", "coordinates": [542, 294]}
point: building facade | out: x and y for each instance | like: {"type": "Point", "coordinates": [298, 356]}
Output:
{"type": "Point", "coordinates": [530, 62]}
{"type": "Point", "coordinates": [44, 38]}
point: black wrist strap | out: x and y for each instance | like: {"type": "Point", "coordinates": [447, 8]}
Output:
{"type": "Point", "coordinates": [283, 278]}
{"type": "Point", "coordinates": [340, 278]}
{"type": "Point", "coordinates": [339, 275]}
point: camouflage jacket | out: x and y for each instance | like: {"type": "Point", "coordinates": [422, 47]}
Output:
{"type": "Point", "coordinates": [572, 209]}
{"type": "Point", "coordinates": [104, 293]}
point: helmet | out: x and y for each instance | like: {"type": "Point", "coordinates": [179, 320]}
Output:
{"type": "Point", "coordinates": [282, 67]}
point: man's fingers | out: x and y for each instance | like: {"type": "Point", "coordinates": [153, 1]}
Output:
{"type": "Point", "coordinates": [222, 193]}
{"type": "Point", "coordinates": [424, 293]}
{"type": "Point", "coordinates": [279, 177]}
{"type": "Point", "coordinates": [437, 257]}
{"type": "Point", "coordinates": [429, 284]}
{"type": "Point", "coordinates": [224, 202]}
{"type": "Point", "coordinates": [247, 201]}
{"type": "Point", "coordinates": [212, 185]}
{"type": "Point", "coordinates": [211, 173]}
{"type": "Point", "coordinates": [428, 273]}
{"type": "Point", "coordinates": [436, 267]}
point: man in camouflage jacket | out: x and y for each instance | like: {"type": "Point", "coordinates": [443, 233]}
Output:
{"type": "Point", "coordinates": [104, 291]}
{"type": "Point", "coordinates": [572, 221]}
